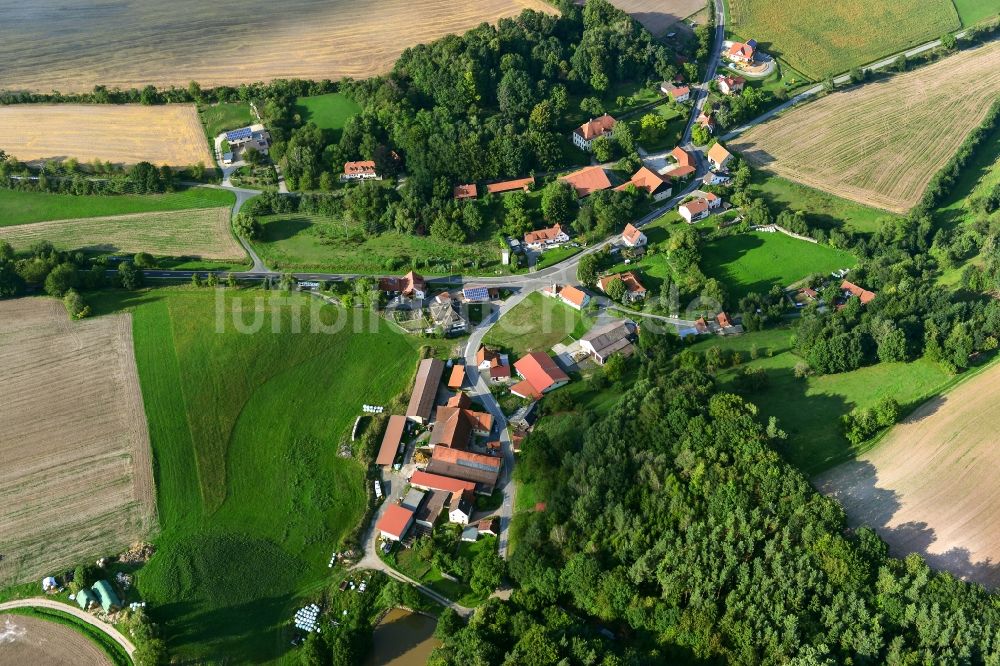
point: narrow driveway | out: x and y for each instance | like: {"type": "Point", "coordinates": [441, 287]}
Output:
{"type": "Point", "coordinates": [84, 616]}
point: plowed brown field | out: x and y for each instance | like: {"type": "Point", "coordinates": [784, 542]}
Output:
{"type": "Point", "coordinates": [123, 134]}
{"type": "Point", "coordinates": [202, 233]}
{"type": "Point", "coordinates": [30, 640]}
{"type": "Point", "coordinates": [931, 486]}
{"type": "Point", "coordinates": [881, 143]}
{"type": "Point", "coordinates": [76, 478]}
{"type": "Point", "coordinates": [221, 42]}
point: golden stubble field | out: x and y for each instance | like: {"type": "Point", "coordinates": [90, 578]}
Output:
{"type": "Point", "coordinates": [201, 233]}
{"type": "Point", "coordinates": [30, 640]}
{"type": "Point", "coordinates": [880, 144]}
{"type": "Point", "coordinates": [931, 486]}
{"type": "Point", "coordinates": [222, 42]}
{"type": "Point", "coordinates": [76, 477]}
{"type": "Point", "coordinates": [124, 134]}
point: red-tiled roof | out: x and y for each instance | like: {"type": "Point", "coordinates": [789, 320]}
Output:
{"type": "Point", "coordinates": [632, 283]}
{"type": "Point", "coordinates": [718, 153]}
{"type": "Point", "coordinates": [587, 180]}
{"type": "Point", "coordinates": [395, 520]}
{"type": "Point", "coordinates": [499, 371]}
{"type": "Point", "coordinates": [575, 296]}
{"type": "Point", "coordinates": [862, 293]}
{"type": "Point", "coordinates": [460, 400]}
{"type": "Point", "coordinates": [539, 370]}
{"type": "Point", "coordinates": [457, 377]}
{"type": "Point", "coordinates": [390, 442]}
{"type": "Point", "coordinates": [679, 91]}
{"type": "Point", "coordinates": [541, 235]}
{"type": "Point", "coordinates": [596, 127]}
{"type": "Point", "coordinates": [361, 167]}
{"type": "Point", "coordinates": [682, 157]}
{"type": "Point", "coordinates": [510, 185]}
{"type": "Point", "coordinates": [695, 206]}
{"type": "Point", "coordinates": [631, 233]}
{"type": "Point", "coordinates": [680, 172]}
{"type": "Point", "coordinates": [732, 82]}
{"type": "Point", "coordinates": [451, 429]}
{"type": "Point", "coordinates": [525, 390]}
{"type": "Point", "coordinates": [405, 285]}
{"type": "Point", "coordinates": [741, 49]}
{"type": "Point", "coordinates": [647, 179]}
{"type": "Point", "coordinates": [466, 191]}
{"type": "Point", "coordinates": [438, 482]}
{"type": "Point", "coordinates": [723, 320]}
{"type": "Point", "coordinates": [486, 354]}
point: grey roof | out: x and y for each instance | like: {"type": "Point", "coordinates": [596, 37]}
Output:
{"type": "Point", "coordinates": [433, 507]}
{"type": "Point", "coordinates": [610, 337]}
{"type": "Point", "coordinates": [425, 388]}
{"type": "Point", "coordinates": [445, 315]}
{"type": "Point", "coordinates": [413, 499]}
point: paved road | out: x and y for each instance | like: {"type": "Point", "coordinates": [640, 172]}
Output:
{"type": "Point", "coordinates": [115, 635]}
{"type": "Point", "coordinates": [840, 80]}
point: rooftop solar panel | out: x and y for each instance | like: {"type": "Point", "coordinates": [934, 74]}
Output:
{"type": "Point", "coordinates": [476, 293]}
{"type": "Point", "coordinates": [236, 135]}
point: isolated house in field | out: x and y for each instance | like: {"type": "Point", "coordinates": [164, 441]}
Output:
{"type": "Point", "coordinates": [740, 52]}
{"type": "Point", "coordinates": [482, 470]}
{"type": "Point", "coordinates": [254, 136]}
{"type": "Point", "coordinates": [523, 184]}
{"type": "Point", "coordinates": [461, 507]}
{"type": "Point", "coordinates": [851, 289]}
{"type": "Point", "coordinates": [391, 440]}
{"type": "Point", "coordinates": [588, 180]}
{"type": "Point", "coordinates": [463, 192]}
{"type": "Point", "coordinates": [543, 238]}
{"type": "Point", "coordinates": [731, 85]}
{"type": "Point", "coordinates": [614, 337]}
{"type": "Point", "coordinates": [678, 93]}
{"type": "Point", "coordinates": [568, 294]}
{"type": "Point", "coordinates": [634, 291]}
{"type": "Point", "coordinates": [86, 599]}
{"type": "Point", "coordinates": [719, 157]}
{"type": "Point", "coordinates": [361, 170]}
{"type": "Point", "coordinates": [395, 522]}
{"type": "Point", "coordinates": [540, 375]}
{"type": "Point", "coordinates": [106, 596]}
{"type": "Point", "coordinates": [585, 134]}
{"type": "Point", "coordinates": [650, 182]}
{"type": "Point", "coordinates": [425, 388]}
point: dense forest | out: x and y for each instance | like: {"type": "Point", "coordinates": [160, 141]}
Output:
{"type": "Point", "coordinates": [673, 532]}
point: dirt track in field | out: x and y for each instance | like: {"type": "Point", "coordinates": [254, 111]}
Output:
{"type": "Point", "coordinates": [931, 486]}
{"type": "Point", "coordinates": [880, 144]}
{"type": "Point", "coordinates": [29, 640]}
{"type": "Point", "coordinates": [222, 42]}
{"type": "Point", "coordinates": [124, 134]}
{"type": "Point", "coordinates": [658, 15]}
{"type": "Point", "coordinates": [201, 233]}
{"type": "Point", "coordinates": [76, 477]}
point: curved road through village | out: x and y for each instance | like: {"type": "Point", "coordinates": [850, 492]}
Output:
{"type": "Point", "coordinates": [108, 629]}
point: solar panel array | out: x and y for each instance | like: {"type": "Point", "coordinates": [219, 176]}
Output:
{"type": "Point", "coordinates": [237, 135]}
{"type": "Point", "coordinates": [477, 294]}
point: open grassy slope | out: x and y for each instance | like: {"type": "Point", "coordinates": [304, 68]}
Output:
{"type": "Point", "coordinates": [535, 324]}
{"type": "Point", "coordinates": [329, 112]}
{"type": "Point", "coordinates": [245, 430]}
{"type": "Point", "coordinates": [822, 209]}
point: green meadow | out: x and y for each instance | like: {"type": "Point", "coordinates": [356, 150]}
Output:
{"type": "Point", "coordinates": [820, 208]}
{"type": "Point", "coordinates": [328, 112]}
{"type": "Point", "coordinates": [536, 324]}
{"type": "Point", "coordinates": [219, 118]}
{"type": "Point", "coordinates": [245, 427]}
{"type": "Point", "coordinates": [22, 207]}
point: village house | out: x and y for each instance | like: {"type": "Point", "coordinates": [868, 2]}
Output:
{"type": "Point", "coordinates": [363, 170]}
{"type": "Point", "coordinates": [457, 377]}
{"type": "Point", "coordinates": [632, 237]}
{"type": "Point", "coordinates": [480, 469]}
{"type": "Point", "coordinates": [462, 192]}
{"type": "Point", "coordinates": [718, 157]}
{"type": "Point", "coordinates": [740, 52]}
{"type": "Point", "coordinates": [425, 388]}
{"type": "Point", "coordinates": [713, 178]}
{"type": "Point", "coordinates": [523, 184]}
{"type": "Point", "coordinates": [707, 121]}
{"type": "Point", "coordinates": [647, 180]}
{"type": "Point", "coordinates": [540, 375]}
{"type": "Point", "coordinates": [614, 337]}
{"type": "Point", "coordinates": [851, 289]}
{"type": "Point", "coordinates": [699, 207]}
{"type": "Point", "coordinates": [444, 314]}
{"type": "Point", "coordinates": [410, 285]}
{"type": "Point", "coordinates": [568, 294]}
{"type": "Point", "coordinates": [634, 291]}
{"type": "Point", "coordinates": [254, 137]}
{"type": "Point", "coordinates": [461, 507]}
{"type": "Point", "coordinates": [476, 294]}
{"type": "Point", "coordinates": [497, 364]}
{"type": "Point", "coordinates": [685, 165]}
{"type": "Point", "coordinates": [588, 180]}
{"type": "Point", "coordinates": [395, 522]}
{"type": "Point", "coordinates": [730, 85]}
{"type": "Point", "coordinates": [546, 238]}
{"type": "Point", "coordinates": [720, 324]}
{"type": "Point", "coordinates": [489, 526]}
{"type": "Point", "coordinates": [585, 134]}
{"type": "Point", "coordinates": [391, 441]}
{"type": "Point", "coordinates": [675, 92]}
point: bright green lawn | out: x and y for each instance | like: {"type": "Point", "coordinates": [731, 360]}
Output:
{"type": "Point", "coordinates": [973, 11]}
{"type": "Point", "coordinates": [329, 112]}
{"type": "Point", "coordinates": [298, 241]}
{"type": "Point", "coordinates": [809, 410]}
{"type": "Point", "coordinates": [756, 261]}
{"type": "Point", "coordinates": [19, 207]}
{"type": "Point", "coordinates": [220, 118]}
{"type": "Point", "coordinates": [821, 209]}
{"type": "Point", "coordinates": [535, 324]}
{"type": "Point", "coordinates": [252, 495]}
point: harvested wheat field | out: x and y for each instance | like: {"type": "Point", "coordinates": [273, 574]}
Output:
{"type": "Point", "coordinates": [881, 143]}
{"type": "Point", "coordinates": [931, 486]}
{"type": "Point", "coordinates": [223, 42]}
{"type": "Point", "coordinates": [124, 134]}
{"type": "Point", "coordinates": [202, 233]}
{"type": "Point", "coordinates": [658, 15]}
{"type": "Point", "coordinates": [76, 478]}
{"type": "Point", "coordinates": [30, 640]}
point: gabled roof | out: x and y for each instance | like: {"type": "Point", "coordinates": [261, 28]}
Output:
{"type": "Point", "coordinates": [587, 180]}
{"type": "Point", "coordinates": [360, 167]}
{"type": "Point", "coordinates": [425, 388]}
{"type": "Point", "coordinates": [510, 185]}
{"type": "Point", "coordinates": [862, 293]}
{"type": "Point", "coordinates": [695, 206]}
{"type": "Point", "coordinates": [390, 441]}
{"type": "Point", "coordinates": [632, 283]}
{"type": "Point", "coordinates": [457, 377]}
{"type": "Point", "coordinates": [484, 353]}
{"type": "Point", "coordinates": [732, 81]}
{"type": "Point", "coordinates": [723, 320]}
{"type": "Point", "coordinates": [475, 467]}
{"type": "Point", "coordinates": [540, 371]}
{"type": "Point", "coordinates": [741, 49]}
{"type": "Point", "coordinates": [460, 400]}
{"type": "Point", "coordinates": [395, 520]}
{"type": "Point", "coordinates": [437, 482]}
{"type": "Point", "coordinates": [706, 120]}
{"type": "Point", "coordinates": [541, 235]}
{"type": "Point", "coordinates": [680, 172]}
{"type": "Point", "coordinates": [631, 233]}
{"type": "Point", "coordinates": [646, 179]}
{"type": "Point", "coordinates": [610, 337]}
{"type": "Point", "coordinates": [596, 127]}
{"type": "Point", "coordinates": [679, 91]}
{"type": "Point", "coordinates": [575, 296]}
{"type": "Point", "coordinates": [462, 500]}
{"type": "Point", "coordinates": [499, 371]}
{"type": "Point", "coordinates": [405, 285]}
{"type": "Point", "coordinates": [451, 428]}
{"type": "Point", "coordinates": [466, 191]}
{"type": "Point", "coordinates": [718, 153]}
{"type": "Point", "coordinates": [682, 157]}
